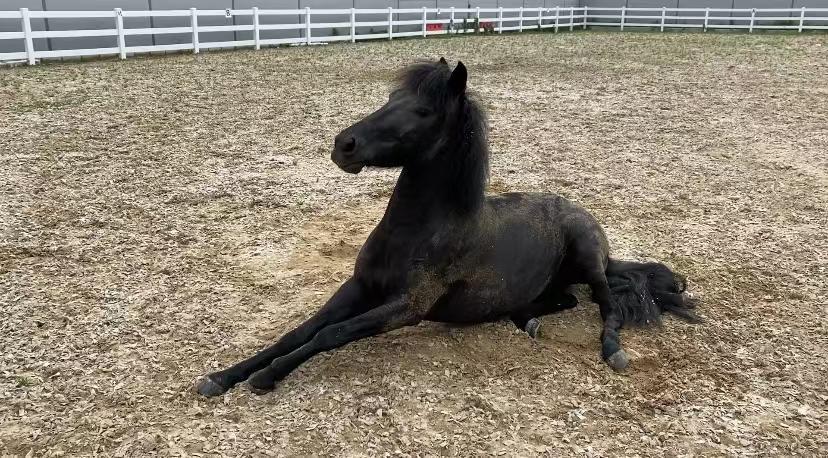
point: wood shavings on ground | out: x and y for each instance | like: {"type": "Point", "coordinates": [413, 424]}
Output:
{"type": "Point", "coordinates": [168, 215]}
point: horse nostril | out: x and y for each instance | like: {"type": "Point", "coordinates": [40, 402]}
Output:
{"type": "Point", "coordinates": [348, 145]}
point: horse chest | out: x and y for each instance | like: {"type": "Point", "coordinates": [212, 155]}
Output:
{"type": "Point", "coordinates": [390, 263]}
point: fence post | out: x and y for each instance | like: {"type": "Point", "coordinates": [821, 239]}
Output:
{"type": "Point", "coordinates": [307, 26]}
{"type": "Point", "coordinates": [500, 20]}
{"type": "Point", "coordinates": [801, 19]}
{"type": "Point", "coordinates": [663, 16]}
{"type": "Point", "coordinates": [520, 20]}
{"type": "Point", "coordinates": [390, 23]}
{"type": "Point", "coordinates": [257, 44]}
{"type": "Point", "coordinates": [27, 34]}
{"type": "Point", "coordinates": [540, 18]}
{"type": "Point", "coordinates": [425, 21]}
{"type": "Point", "coordinates": [586, 16]}
{"type": "Point", "coordinates": [557, 17]}
{"type": "Point", "coordinates": [477, 17]}
{"type": "Point", "coordinates": [706, 18]}
{"type": "Point", "coordinates": [194, 24]}
{"type": "Point", "coordinates": [451, 20]}
{"type": "Point", "coordinates": [119, 25]}
{"type": "Point", "coordinates": [624, 15]}
{"type": "Point", "coordinates": [353, 25]}
{"type": "Point", "coordinates": [571, 18]}
{"type": "Point", "coordinates": [752, 17]}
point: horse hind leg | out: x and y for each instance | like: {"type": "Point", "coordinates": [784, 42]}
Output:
{"type": "Point", "coordinates": [552, 300]}
{"type": "Point", "coordinates": [611, 350]}
{"type": "Point", "coordinates": [590, 268]}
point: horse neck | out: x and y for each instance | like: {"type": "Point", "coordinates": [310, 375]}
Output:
{"type": "Point", "coordinates": [440, 189]}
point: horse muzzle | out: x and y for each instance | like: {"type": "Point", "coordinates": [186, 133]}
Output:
{"type": "Point", "coordinates": [345, 155]}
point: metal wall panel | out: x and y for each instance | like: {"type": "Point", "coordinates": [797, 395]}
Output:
{"type": "Point", "coordinates": [14, 25]}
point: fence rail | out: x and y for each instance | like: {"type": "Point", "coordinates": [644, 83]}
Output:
{"type": "Point", "coordinates": [455, 20]}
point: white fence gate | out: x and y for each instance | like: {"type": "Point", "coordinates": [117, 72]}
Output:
{"type": "Point", "coordinates": [473, 20]}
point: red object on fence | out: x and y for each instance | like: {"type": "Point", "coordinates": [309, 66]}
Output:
{"type": "Point", "coordinates": [488, 26]}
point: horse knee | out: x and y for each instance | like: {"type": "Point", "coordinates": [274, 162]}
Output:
{"type": "Point", "coordinates": [330, 337]}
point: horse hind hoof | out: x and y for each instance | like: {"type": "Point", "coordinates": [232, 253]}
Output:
{"type": "Point", "coordinates": [209, 388]}
{"type": "Point", "coordinates": [618, 361]}
{"type": "Point", "coordinates": [532, 328]}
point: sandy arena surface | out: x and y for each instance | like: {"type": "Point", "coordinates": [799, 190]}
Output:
{"type": "Point", "coordinates": [165, 216]}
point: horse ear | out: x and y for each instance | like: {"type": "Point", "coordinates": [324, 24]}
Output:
{"type": "Point", "coordinates": [443, 61]}
{"type": "Point", "coordinates": [457, 81]}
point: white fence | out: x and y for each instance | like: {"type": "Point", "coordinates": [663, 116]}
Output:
{"type": "Point", "coordinates": [453, 20]}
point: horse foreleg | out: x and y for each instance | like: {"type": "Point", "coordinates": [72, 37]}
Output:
{"type": "Point", "coordinates": [384, 318]}
{"type": "Point", "coordinates": [347, 302]}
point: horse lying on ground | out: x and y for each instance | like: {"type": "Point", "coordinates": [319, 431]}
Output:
{"type": "Point", "coordinates": [446, 252]}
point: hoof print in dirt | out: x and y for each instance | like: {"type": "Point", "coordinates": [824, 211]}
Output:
{"type": "Point", "coordinates": [209, 388]}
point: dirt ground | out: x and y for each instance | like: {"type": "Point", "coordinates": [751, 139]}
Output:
{"type": "Point", "coordinates": [166, 216]}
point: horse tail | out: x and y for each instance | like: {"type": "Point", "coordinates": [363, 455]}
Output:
{"type": "Point", "coordinates": [643, 291]}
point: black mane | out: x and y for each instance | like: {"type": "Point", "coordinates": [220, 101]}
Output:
{"type": "Point", "coordinates": [467, 151]}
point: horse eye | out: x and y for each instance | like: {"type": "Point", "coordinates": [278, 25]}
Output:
{"type": "Point", "coordinates": [422, 112]}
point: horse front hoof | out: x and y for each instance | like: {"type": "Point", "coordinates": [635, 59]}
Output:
{"type": "Point", "coordinates": [618, 361]}
{"type": "Point", "coordinates": [260, 383]}
{"type": "Point", "coordinates": [209, 388]}
{"type": "Point", "coordinates": [532, 328]}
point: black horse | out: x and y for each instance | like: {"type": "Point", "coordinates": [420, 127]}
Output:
{"type": "Point", "coordinates": [446, 252]}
